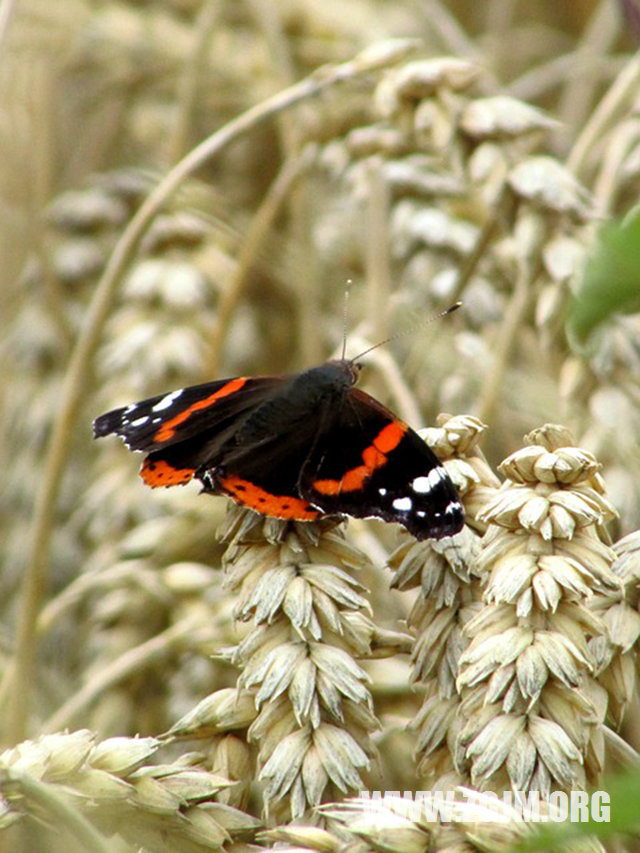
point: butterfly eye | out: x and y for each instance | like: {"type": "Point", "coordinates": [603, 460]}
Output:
{"type": "Point", "coordinates": [356, 369]}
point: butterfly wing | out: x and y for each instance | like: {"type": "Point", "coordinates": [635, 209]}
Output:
{"type": "Point", "coordinates": [185, 429]}
{"type": "Point", "coordinates": [292, 447]}
{"type": "Point", "coordinates": [368, 463]}
{"type": "Point", "coordinates": [170, 418]}
{"type": "Point", "coordinates": [264, 475]}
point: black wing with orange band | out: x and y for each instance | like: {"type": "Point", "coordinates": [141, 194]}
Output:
{"type": "Point", "coordinates": [379, 467]}
{"type": "Point", "coordinates": [184, 429]}
{"type": "Point", "coordinates": [177, 415]}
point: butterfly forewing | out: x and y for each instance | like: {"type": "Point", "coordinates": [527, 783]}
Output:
{"type": "Point", "coordinates": [175, 416]}
{"type": "Point", "coordinates": [381, 468]}
{"type": "Point", "coordinates": [183, 431]}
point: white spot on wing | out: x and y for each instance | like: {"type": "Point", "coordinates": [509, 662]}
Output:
{"type": "Point", "coordinates": [139, 421]}
{"type": "Point", "coordinates": [402, 504]}
{"type": "Point", "coordinates": [382, 492]}
{"type": "Point", "coordinates": [423, 485]}
{"type": "Point", "coordinates": [166, 401]}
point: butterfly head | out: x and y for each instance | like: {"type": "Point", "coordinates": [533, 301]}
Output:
{"type": "Point", "coordinates": [349, 369]}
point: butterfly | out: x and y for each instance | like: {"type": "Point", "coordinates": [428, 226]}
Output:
{"type": "Point", "coordinates": [292, 447]}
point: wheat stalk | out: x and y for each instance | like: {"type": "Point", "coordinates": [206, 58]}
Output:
{"type": "Point", "coordinates": [93, 790]}
{"type": "Point", "coordinates": [449, 596]}
{"type": "Point", "coordinates": [533, 709]}
{"type": "Point", "coordinates": [310, 621]}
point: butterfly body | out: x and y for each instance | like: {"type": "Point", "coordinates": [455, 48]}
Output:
{"type": "Point", "coordinates": [292, 447]}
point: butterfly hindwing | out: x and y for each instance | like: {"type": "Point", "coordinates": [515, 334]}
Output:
{"type": "Point", "coordinates": [263, 476]}
{"type": "Point", "coordinates": [260, 468]}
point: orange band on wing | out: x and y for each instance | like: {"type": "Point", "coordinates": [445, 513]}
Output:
{"type": "Point", "coordinates": [373, 457]}
{"type": "Point", "coordinates": [277, 506]}
{"type": "Point", "coordinates": [167, 430]}
{"type": "Point", "coordinates": [158, 473]}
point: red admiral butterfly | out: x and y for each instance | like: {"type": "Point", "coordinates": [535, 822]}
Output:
{"type": "Point", "coordinates": [292, 447]}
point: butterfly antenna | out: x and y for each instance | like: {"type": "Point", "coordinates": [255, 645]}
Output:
{"type": "Point", "coordinates": [345, 316]}
{"type": "Point", "coordinates": [405, 331]}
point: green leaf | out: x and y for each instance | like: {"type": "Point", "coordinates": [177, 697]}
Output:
{"type": "Point", "coordinates": [611, 279]}
{"type": "Point", "coordinates": [622, 793]}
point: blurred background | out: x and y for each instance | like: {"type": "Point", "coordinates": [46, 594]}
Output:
{"type": "Point", "coordinates": [486, 175]}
